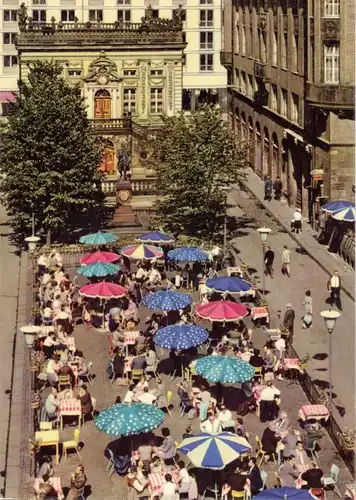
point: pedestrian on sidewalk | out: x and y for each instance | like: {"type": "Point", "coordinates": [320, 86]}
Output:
{"type": "Point", "coordinates": [269, 258]}
{"type": "Point", "coordinates": [268, 188]}
{"type": "Point", "coordinates": [288, 321]}
{"type": "Point", "coordinates": [297, 221]}
{"type": "Point", "coordinates": [278, 189]}
{"type": "Point", "coordinates": [286, 261]}
{"type": "Point", "coordinates": [321, 227]}
{"type": "Point", "coordinates": [308, 310]}
{"type": "Point", "coordinates": [334, 285]}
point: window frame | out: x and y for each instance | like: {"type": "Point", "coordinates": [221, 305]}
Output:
{"type": "Point", "coordinates": [12, 38]}
{"type": "Point", "coordinates": [334, 8]}
{"type": "Point", "coordinates": [206, 67]}
{"type": "Point", "coordinates": [11, 58]}
{"type": "Point", "coordinates": [204, 21]}
{"type": "Point", "coordinates": [206, 44]}
{"type": "Point", "coordinates": [128, 102]}
{"type": "Point", "coordinates": [158, 98]}
{"type": "Point", "coordinates": [68, 15]}
{"type": "Point", "coordinates": [12, 16]}
{"type": "Point", "coordinates": [332, 57]}
{"type": "Point", "coordinates": [121, 12]}
{"type": "Point", "coordinates": [39, 15]}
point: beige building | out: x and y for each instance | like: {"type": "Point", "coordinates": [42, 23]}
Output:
{"type": "Point", "coordinates": [291, 77]}
{"type": "Point", "coordinates": [204, 78]}
{"type": "Point", "coordinates": [130, 75]}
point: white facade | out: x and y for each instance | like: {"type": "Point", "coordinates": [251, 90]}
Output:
{"type": "Point", "coordinates": [202, 26]}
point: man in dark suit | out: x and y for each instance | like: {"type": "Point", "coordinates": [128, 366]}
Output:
{"type": "Point", "coordinates": [237, 481]}
{"type": "Point", "coordinates": [256, 360]}
{"type": "Point", "coordinates": [313, 478]}
{"type": "Point", "coordinates": [254, 475]}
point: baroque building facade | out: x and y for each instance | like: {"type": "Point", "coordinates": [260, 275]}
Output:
{"type": "Point", "coordinates": [130, 75]}
{"type": "Point", "coordinates": [291, 80]}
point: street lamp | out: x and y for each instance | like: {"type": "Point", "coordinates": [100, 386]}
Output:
{"type": "Point", "coordinates": [225, 189]}
{"type": "Point", "coordinates": [263, 232]}
{"type": "Point", "coordinates": [30, 332]}
{"type": "Point", "coordinates": [32, 242]}
{"type": "Point", "coordinates": [330, 316]}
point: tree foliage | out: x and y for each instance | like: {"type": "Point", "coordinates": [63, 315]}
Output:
{"type": "Point", "coordinates": [48, 157]}
{"type": "Point", "coordinates": [195, 157]}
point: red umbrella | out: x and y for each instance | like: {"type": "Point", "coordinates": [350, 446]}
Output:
{"type": "Point", "coordinates": [222, 310]}
{"type": "Point", "coordinates": [93, 258]}
{"type": "Point", "coordinates": [103, 290]}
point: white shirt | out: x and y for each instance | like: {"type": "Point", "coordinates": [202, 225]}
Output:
{"type": "Point", "coordinates": [147, 397]}
{"type": "Point", "coordinates": [184, 476]}
{"type": "Point", "coordinates": [48, 342]}
{"type": "Point", "coordinates": [335, 282]}
{"type": "Point", "coordinates": [129, 397]}
{"type": "Point", "coordinates": [43, 261]}
{"type": "Point", "coordinates": [50, 367]}
{"type": "Point", "coordinates": [225, 416]}
{"type": "Point", "coordinates": [47, 313]}
{"type": "Point", "coordinates": [141, 273]}
{"type": "Point", "coordinates": [46, 278]}
{"type": "Point", "coordinates": [213, 427]}
{"type": "Point", "coordinates": [297, 216]}
{"type": "Point", "coordinates": [280, 344]}
{"type": "Point", "coordinates": [169, 491]}
{"type": "Point", "coordinates": [51, 403]}
{"type": "Point", "coordinates": [269, 393]}
{"type": "Point", "coordinates": [286, 256]}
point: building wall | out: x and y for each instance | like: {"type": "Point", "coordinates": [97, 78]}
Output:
{"type": "Point", "coordinates": [193, 77]}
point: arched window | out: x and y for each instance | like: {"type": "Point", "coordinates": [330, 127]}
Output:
{"type": "Point", "coordinates": [266, 163]}
{"type": "Point", "coordinates": [275, 157]}
{"type": "Point", "coordinates": [102, 104]}
{"type": "Point", "coordinates": [107, 165]}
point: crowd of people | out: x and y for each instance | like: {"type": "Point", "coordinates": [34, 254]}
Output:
{"type": "Point", "coordinates": [140, 365]}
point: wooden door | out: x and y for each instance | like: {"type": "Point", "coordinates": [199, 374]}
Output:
{"type": "Point", "coordinates": [102, 108]}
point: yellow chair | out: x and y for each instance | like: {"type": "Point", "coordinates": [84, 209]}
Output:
{"type": "Point", "coordinates": [46, 426]}
{"type": "Point", "coordinates": [258, 373]}
{"type": "Point", "coordinates": [64, 380]}
{"type": "Point", "coordinates": [67, 445]}
{"type": "Point", "coordinates": [260, 452]}
{"type": "Point", "coordinates": [168, 402]}
{"type": "Point", "coordinates": [238, 494]}
{"type": "Point", "coordinates": [279, 480]}
{"type": "Point", "coordinates": [136, 374]}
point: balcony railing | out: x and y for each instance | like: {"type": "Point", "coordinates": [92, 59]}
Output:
{"type": "Point", "coordinates": [331, 96]}
{"type": "Point", "coordinates": [111, 124]}
{"type": "Point", "coordinates": [206, 24]}
{"type": "Point", "coordinates": [206, 46]}
{"type": "Point", "coordinates": [140, 187]}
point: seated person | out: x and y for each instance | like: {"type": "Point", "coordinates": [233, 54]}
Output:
{"type": "Point", "coordinates": [140, 386]}
{"type": "Point", "coordinates": [313, 477]}
{"type": "Point", "coordinates": [145, 451]}
{"type": "Point", "coordinates": [146, 397]}
{"type": "Point", "coordinates": [130, 396]}
{"type": "Point", "coordinates": [66, 370]}
{"type": "Point", "coordinates": [254, 475]}
{"type": "Point", "coordinates": [240, 428]}
{"type": "Point", "coordinates": [52, 369]}
{"type": "Point", "coordinates": [288, 472]}
{"type": "Point", "coordinates": [50, 344]}
{"type": "Point", "coordinates": [301, 457]}
{"type": "Point", "coordinates": [237, 481]}
{"type": "Point", "coordinates": [46, 490]}
{"type": "Point", "coordinates": [184, 397]}
{"type": "Point", "coordinates": [269, 440]}
{"type": "Point", "coordinates": [256, 360]}
{"type": "Point", "coordinates": [167, 449]}
{"type": "Point", "coordinates": [52, 404]}
{"type": "Point", "coordinates": [118, 362]}
{"type": "Point", "coordinates": [46, 468]}
{"type": "Point", "coordinates": [139, 361]}
{"type": "Point", "coordinates": [183, 478]}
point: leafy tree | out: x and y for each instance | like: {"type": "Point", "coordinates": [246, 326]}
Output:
{"type": "Point", "coordinates": [195, 157]}
{"type": "Point", "coordinates": [48, 157]}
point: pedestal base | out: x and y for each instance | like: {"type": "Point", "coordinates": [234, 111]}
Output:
{"type": "Point", "coordinates": [124, 216]}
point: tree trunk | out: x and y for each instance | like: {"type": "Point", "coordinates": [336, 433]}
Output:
{"type": "Point", "coordinates": [48, 237]}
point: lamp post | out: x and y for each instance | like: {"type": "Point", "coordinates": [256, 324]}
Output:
{"type": "Point", "coordinates": [263, 232]}
{"type": "Point", "coordinates": [330, 316]}
{"type": "Point", "coordinates": [225, 189]}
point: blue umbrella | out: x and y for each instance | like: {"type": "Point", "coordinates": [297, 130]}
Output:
{"type": "Point", "coordinates": [156, 237]}
{"type": "Point", "coordinates": [98, 238]}
{"type": "Point", "coordinates": [224, 369]}
{"type": "Point", "coordinates": [335, 206]}
{"type": "Point", "coordinates": [227, 284]}
{"type": "Point", "coordinates": [127, 419]}
{"type": "Point", "coordinates": [284, 493]}
{"type": "Point", "coordinates": [167, 301]}
{"type": "Point", "coordinates": [180, 336]}
{"type": "Point", "coordinates": [214, 451]}
{"type": "Point", "coordinates": [345, 215]}
{"type": "Point", "coordinates": [187, 254]}
{"type": "Point", "coordinates": [99, 270]}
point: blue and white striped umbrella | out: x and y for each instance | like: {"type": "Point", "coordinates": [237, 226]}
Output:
{"type": "Point", "coordinates": [167, 301]}
{"type": "Point", "coordinates": [180, 336]}
{"type": "Point", "coordinates": [335, 206]}
{"type": "Point", "coordinates": [99, 270]}
{"type": "Point", "coordinates": [345, 215]}
{"type": "Point", "coordinates": [156, 238]}
{"type": "Point", "coordinates": [128, 419]}
{"type": "Point", "coordinates": [227, 284]}
{"type": "Point", "coordinates": [98, 238]}
{"type": "Point", "coordinates": [187, 254]}
{"type": "Point", "coordinates": [224, 369]}
{"type": "Point", "coordinates": [214, 451]}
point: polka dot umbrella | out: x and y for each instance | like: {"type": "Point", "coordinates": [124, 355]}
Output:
{"type": "Point", "coordinates": [180, 337]}
{"type": "Point", "coordinates": [98, 238]}
{"type": "Point", "coordinates": [167, 301]}
{"type": "Point", "coordinates": [128, 419]}
{"type": "Point", "coordinates": [224, 369]}
{"type": "Point", "coordinates": [99, 269]}
{"type": "Point", "coordinates": [187, 254]}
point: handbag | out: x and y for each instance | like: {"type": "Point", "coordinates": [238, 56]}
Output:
{"type": "Point", "coordinates": [284, 268]}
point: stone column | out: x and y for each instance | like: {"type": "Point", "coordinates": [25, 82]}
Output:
{"type": "Point", "coordinates": [143, 86]}
{"type": "Point", "coordinates": [170, 89]}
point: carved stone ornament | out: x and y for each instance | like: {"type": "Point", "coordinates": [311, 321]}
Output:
{"type": "Point", "coordinates": [102, 71]}
{"type": "Point", "coordinates": [22, 16]}
{"type": "Point", "coordinates": [330, 29]}
{"type": "Point", "coordinates": [263, 23]}
{"type": "Point", "coordinates": [311, 26]}
{"type": "Point", "coordinates": [170, 86]}
{"type": "Point", "coordinates": [143, 77]}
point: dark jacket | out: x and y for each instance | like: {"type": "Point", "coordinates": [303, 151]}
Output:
{"type": "Point", "coordinates": [255, 478]}
{"type": "Point", "coordinates": [269, 440]}
{"type": "Point", "coordinates": [118, 364]}
{"type": "Point", "coordinates": [268, 185]}
{"type": "Point", "coordinates": [269, 257]}
{"type": "Point", "coordinates": [236, 481]}
{"type": "Point", "coordinates": [256, 361]}
{"type": "Point", "coordinates": [313, 478]}
{"type": "Point", "coordinates": [289, 317]}
{"type": "Point", "coordinates": [87, 406]}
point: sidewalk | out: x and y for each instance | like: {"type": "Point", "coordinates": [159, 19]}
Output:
{"type": "Point", "coordinates": [283, 213]}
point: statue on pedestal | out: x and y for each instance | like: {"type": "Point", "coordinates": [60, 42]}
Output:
{"type": "Point", "coordinates": [124, 165]}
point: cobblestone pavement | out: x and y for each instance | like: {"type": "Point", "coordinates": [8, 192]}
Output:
{"type": "Point", "coordinates": [100, 486]}
{"type": "Point", "coordinates": [248, 214]}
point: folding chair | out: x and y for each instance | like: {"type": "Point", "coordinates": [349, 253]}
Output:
{"type": "Point", "coordinates": [332, 479]}
{"type": "Point", "coordinates": [88, 375]}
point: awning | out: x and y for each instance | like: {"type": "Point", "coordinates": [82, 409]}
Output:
{"type": "Point", "coordinates": [7, 96]}
{"type": "Point", "coordinates": [317, 174]}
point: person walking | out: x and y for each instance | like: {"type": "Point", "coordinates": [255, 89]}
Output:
{"type": "Point", "coordinates": [334, 286]}
{"type": "Point", "coordinates": [269, 258]}
{"type": "Point", "coordinates": [321, 227]}
{"type": "Point", "coordinates": [297, 221]}
{"type": "Point", "coordinates": [308, 310]}
{"type": "Point", "coordinates": [288, 321]}
{"type": "Point", "coordinates": [268, 188]}
{"type": "Point", "coordinates": [278, 189]}
{"type": "Point", "coordinates": [286, 261]}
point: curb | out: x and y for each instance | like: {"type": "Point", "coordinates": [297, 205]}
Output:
{"type": "Point", "coordinates": [14, 449]}
{"type": "Point", "coordinates": [293, 236]}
